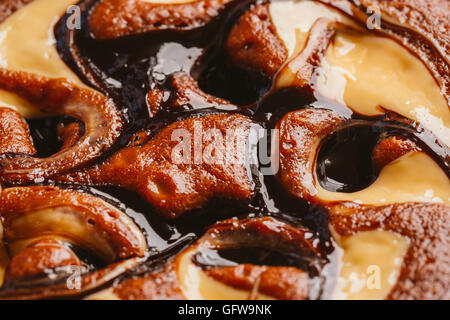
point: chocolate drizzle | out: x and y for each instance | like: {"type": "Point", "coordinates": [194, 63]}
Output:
{"type": "Point", "coordinates": [128, 68]}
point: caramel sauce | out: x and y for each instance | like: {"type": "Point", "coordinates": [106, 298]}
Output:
{"type": "Point", "coordinates": [371, 264]}
{"type": "Point", "coordinates": [126, 69]}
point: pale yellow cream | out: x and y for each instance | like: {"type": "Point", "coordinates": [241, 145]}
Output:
{"type": "Point", "coordinates": [370, 263]}
{"type": "Point", "coordinates": [197, 285]}
{"type": "Point", "coordinates": [13, 101]}
{"type": "Point", "coordinates": [61, 220]}
{"type": "Point", "coordinates": [364, 71]}
{"type": "Point", "coordinates": [4, 261]}
{"type": "Point", "coordinates": [413, 177]}
{"type": "Point", "coordinates": [27, 43]}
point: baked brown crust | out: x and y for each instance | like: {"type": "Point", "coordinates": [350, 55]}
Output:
{"type": "Point", "coordinates": [301, 133]}
{"type": "Point", "coordinates": [174, 188]}
{"type": "Point", "coordinates": [146, 165]}
{"type": "Point", "coordinates": [88, 282]}
{"type": "Point", "coordinates": [419, 25]}
{"type": "Point", "coordinates": [39, 257]}
{"type": "Point", "coordinates": [188, 95]}
{"type": "Point", "coordinates": [253, 42]}
{"type": "Point", "coordinates": [8, 7]}
{"type": "Point", "coordinates": [425, 272]}
{"type": "Point", "coordinates": [96, 213]}
{"type": "Point", "coordinates": [111, 229]}
{"type": "Point", "coordinates": [278, 282]}
{"type": "Point", "coordinates": [117, 18]}
{"type": "Point", "coordinates": [275, 281]}
{"type": "Point", "coordinates": [70, 134]}
{"type": "Point", "coordinates": [162, 285]}
{"type": "Point", "coordinates": [14, 133]}
{"type": "Point", "coordinates": [430, 18]}
{"type": "Point", "coordinates": [284, 283]}
{"type": "Point", "coordinates": [392, 148]}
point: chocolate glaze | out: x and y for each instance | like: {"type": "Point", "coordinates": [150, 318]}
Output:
{"type": "Point", "coordinates": [15, 133]}
{"type": "Point", "coordinates": [150, 68]}
{"type": "Point", "coordinates": [8, 7]}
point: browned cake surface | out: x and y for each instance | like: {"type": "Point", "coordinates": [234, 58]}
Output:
{"type": "Point", "coordinates": [120, 175]}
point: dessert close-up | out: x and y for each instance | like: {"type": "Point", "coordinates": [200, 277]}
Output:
{"type": "Point", "coordinates": [225, 149]}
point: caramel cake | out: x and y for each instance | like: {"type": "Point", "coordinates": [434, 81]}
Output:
{"type": "Point", "coordinates": [224, 149]}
